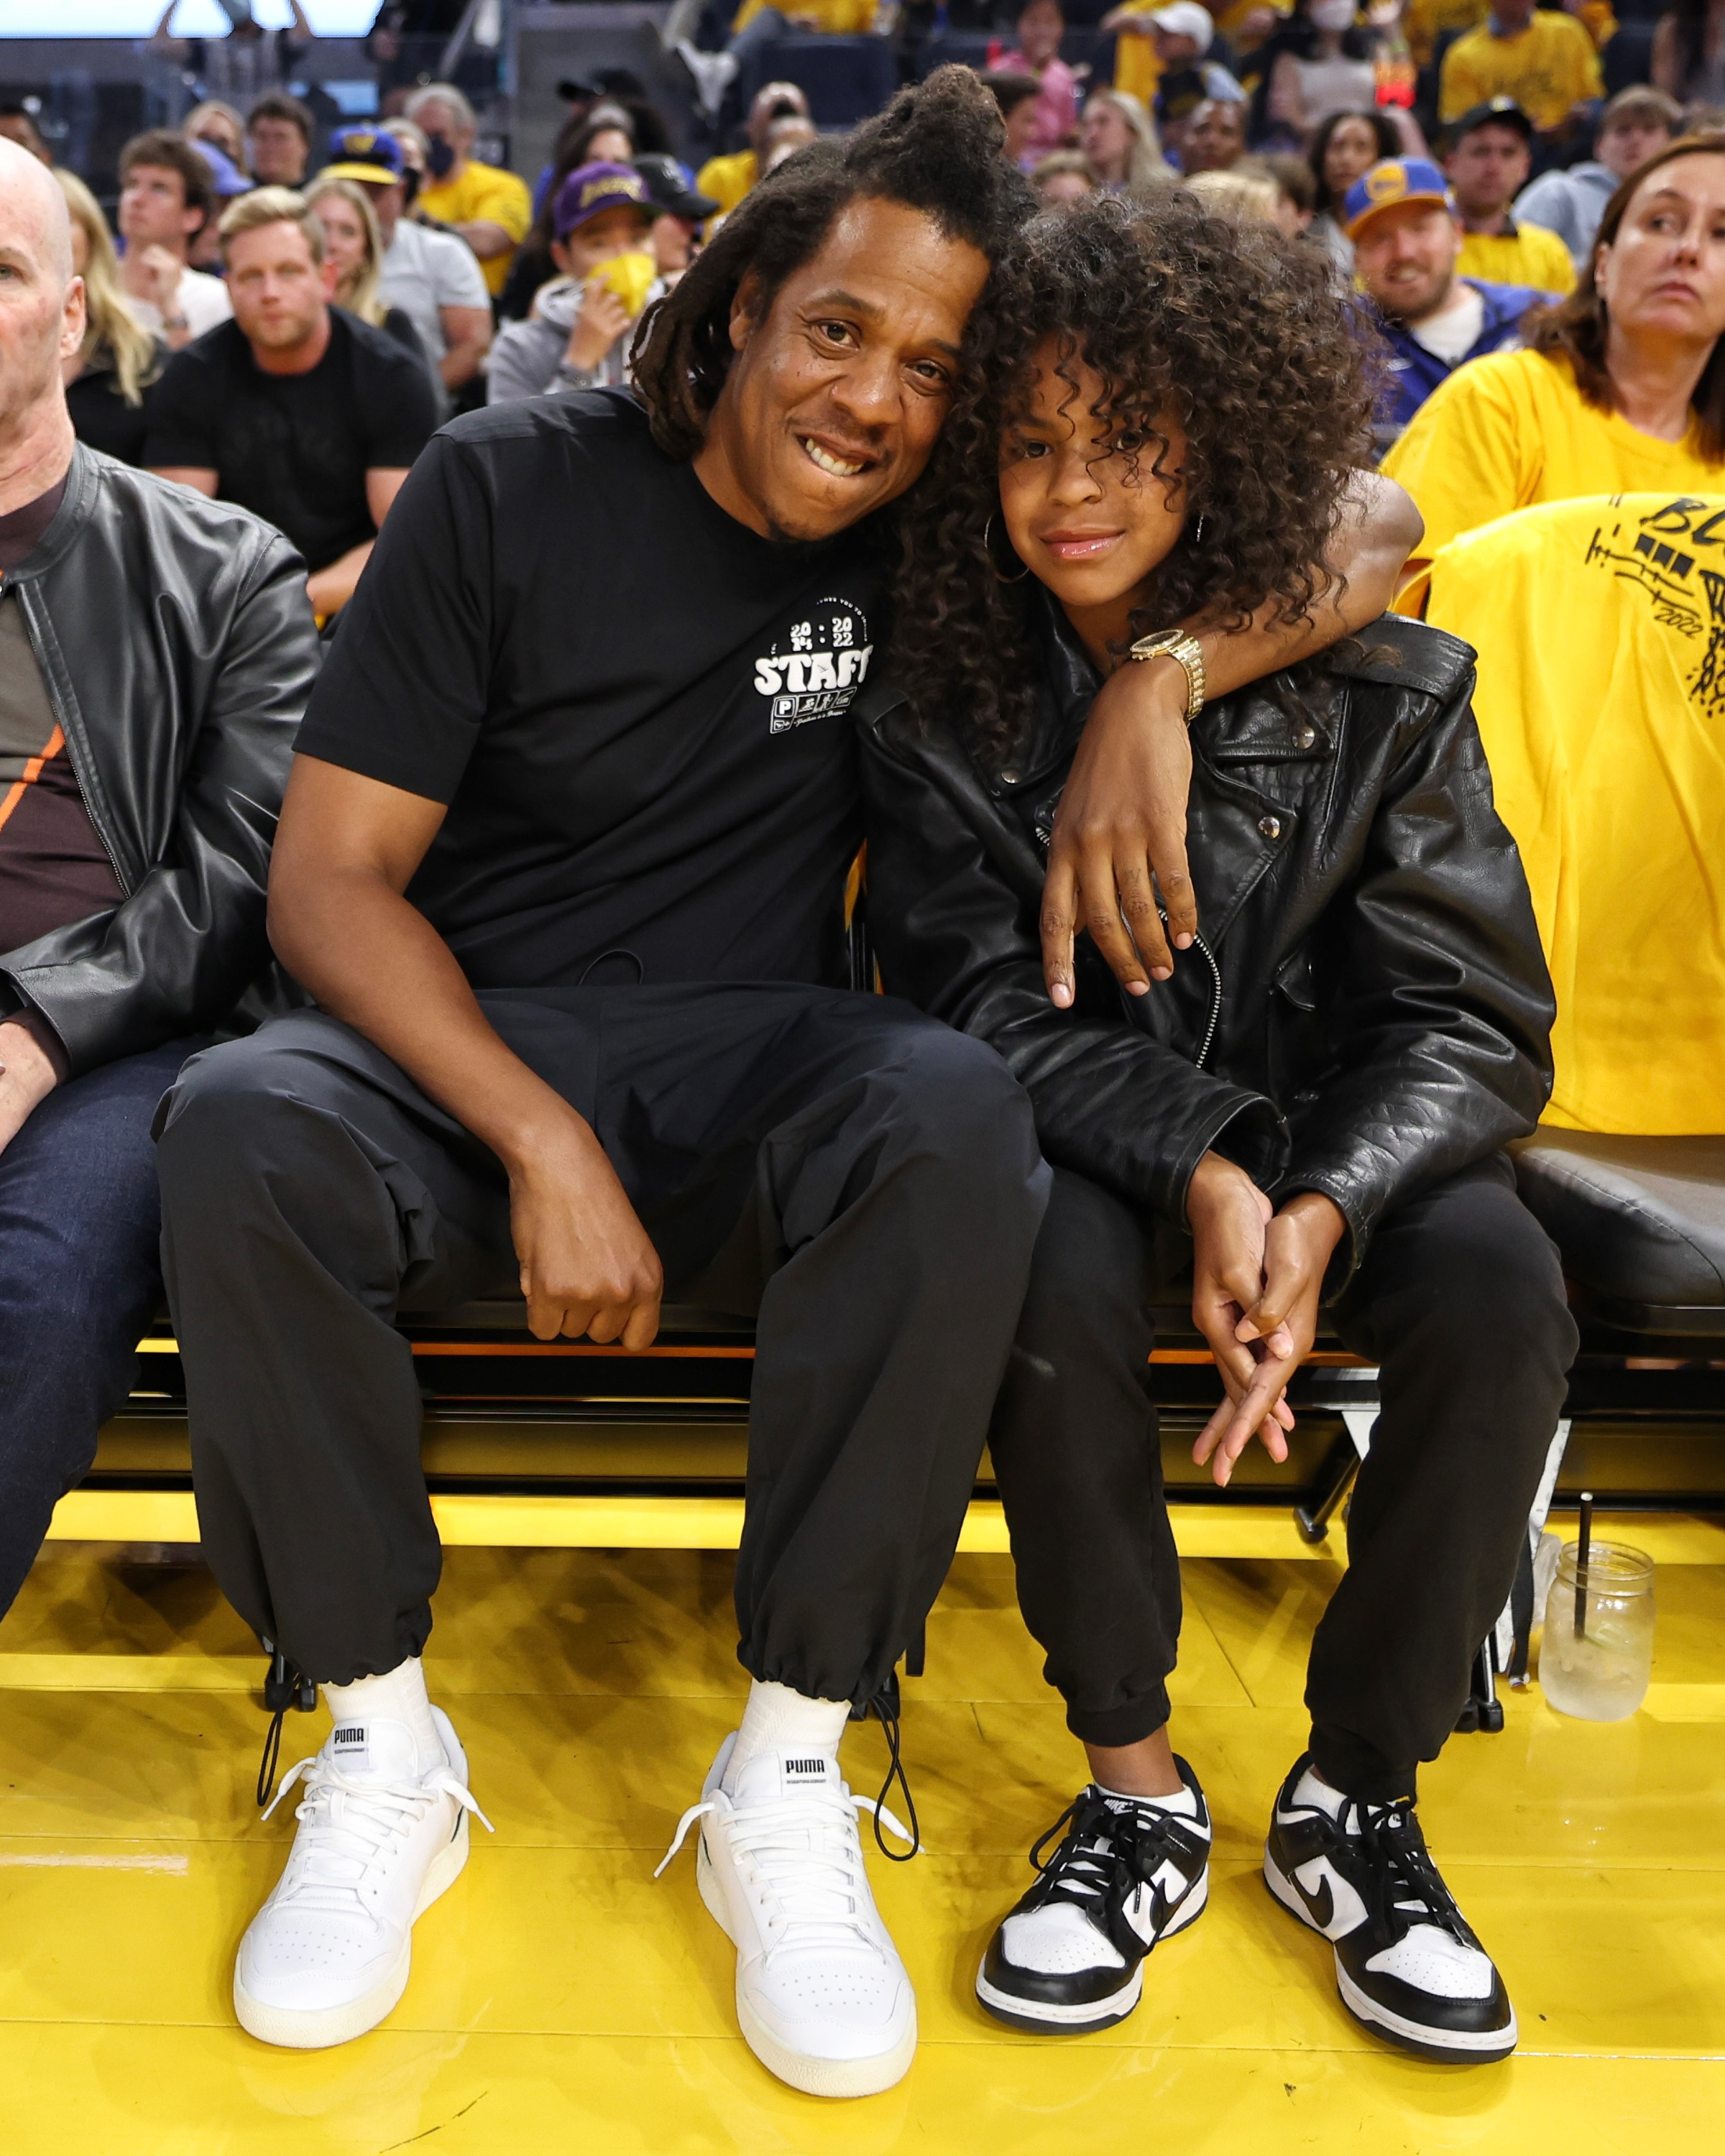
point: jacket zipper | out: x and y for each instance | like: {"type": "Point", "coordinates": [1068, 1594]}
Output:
{"type": "Point", "coordinates": [90, 796]}
{"type": "Point", "coordinates": [1215, 1018]}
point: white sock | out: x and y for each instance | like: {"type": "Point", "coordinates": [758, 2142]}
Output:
{"type": "Point", "coordinates": [1182, 1801]}
{"type": "Point", "coordinates": [777, 1719]}
{"type": "Point", "coordinates": [400, 1696]}
{"type": "Point", "coordinates": [1310, 1790]}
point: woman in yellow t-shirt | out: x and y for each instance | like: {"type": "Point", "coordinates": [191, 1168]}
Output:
{"type": "Point", "coordinates": [1623, 387]}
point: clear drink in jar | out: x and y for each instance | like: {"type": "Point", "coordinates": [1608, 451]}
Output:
{"type": "Point", "coordinates": [1596, 1654]}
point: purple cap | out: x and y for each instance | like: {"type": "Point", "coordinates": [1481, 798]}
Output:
{"type": "Point", "coordinates": [590, 190]}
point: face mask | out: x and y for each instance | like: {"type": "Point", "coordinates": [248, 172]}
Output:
{"type": "Point", "coordinates": [440, 155]}
{"type": "Point", "coordinates": [1332, 14]}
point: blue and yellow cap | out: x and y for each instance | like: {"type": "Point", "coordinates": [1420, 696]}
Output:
{"type": "Point", "coordinates": [364, 153]}
{"type": "Point", "coordinates": [1396, 179]}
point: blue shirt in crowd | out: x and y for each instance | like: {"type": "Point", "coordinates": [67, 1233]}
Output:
{"type": "Point", "coordinates": [1414, 372]}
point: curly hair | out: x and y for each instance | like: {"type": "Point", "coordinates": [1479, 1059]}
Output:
{"type": "Point", "coordinates": [936, 148]}
{"type": "Point", "coordinates": [1228, 331]}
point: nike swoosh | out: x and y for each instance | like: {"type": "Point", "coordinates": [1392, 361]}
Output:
{"type": "Point", "coordinates": [1322, 1903]}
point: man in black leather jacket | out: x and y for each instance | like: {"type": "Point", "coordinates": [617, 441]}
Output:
{"type": "Point", "coordinates": [155, 652]}
{"type": "Point", "coordinates": [1365, 1018]}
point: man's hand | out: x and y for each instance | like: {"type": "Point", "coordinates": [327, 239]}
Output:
{"type": "Point", "coordinates": [603, 319]}
{"type": "Point", "coordinates": [1278, 1326]}
{"type": "Point", "coordinates": [1122, 818]}
{"type": "Point", "coordinates": [1228, 1216]}
{"type": "Point", "coordinates": [156, 277]}
{"type": "Point", "coordinates": [587, 1265]}
{"type": "Point", "coordinates": [345, 850]}
{"type": "Point", "coordinates": [25, 1078]}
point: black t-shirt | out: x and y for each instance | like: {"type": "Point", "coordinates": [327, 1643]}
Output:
{"type": "Point", "coordinates": [296, 448]}
{"type": "Point", "coordinates": [633, 706]}
{"type": "Point", "coordinates": [102, 418]}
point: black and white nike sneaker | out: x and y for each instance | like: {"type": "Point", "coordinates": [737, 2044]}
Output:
{"type": "Point", "coordinates": [1131, 1870]}
{"type": "Point", "coordinates": [1407, 1964]}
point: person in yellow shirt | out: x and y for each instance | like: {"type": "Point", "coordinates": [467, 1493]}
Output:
{"type": "Point", "coordinates": [490, 208]}
{"type": "Point", "coordinates": [1426, 21]}
{"type": "Point", "coordinates": [1546, 61]}
{"type": "Point", "coordinates": [1487, 166]}
{"type": "Point", "coordinates": [728, 179]}
{"type": "Point", "coordinates": [1607, 749]}
{"type": "Point", "coordinates": [1623, 387]}
{"type": "Point", "coordinates": [1137, 65]}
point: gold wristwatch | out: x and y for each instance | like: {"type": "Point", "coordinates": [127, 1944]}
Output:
{"type": "Point", "coordinates": [1187, 652]}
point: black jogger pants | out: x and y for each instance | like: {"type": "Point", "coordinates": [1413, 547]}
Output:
{"type": "Point", "coordinates": [865, 1180]}
{"type": "Point", "coordinates": [1460, 1302]}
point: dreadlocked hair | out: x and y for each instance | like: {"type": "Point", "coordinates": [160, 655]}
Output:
{"type": "Point", "coordinates": [936, 148]}
{"type": "Point", "coordinates": [1221, 329]}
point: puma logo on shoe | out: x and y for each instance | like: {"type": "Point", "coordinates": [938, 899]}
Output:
{"type": "Point", "coordinates": [806, 1766]}
{"type": "Point", "coordinates": [350, 1735]}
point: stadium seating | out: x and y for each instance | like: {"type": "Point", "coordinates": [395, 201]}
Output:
{"type": "Point", "coordinates": [846, 79]}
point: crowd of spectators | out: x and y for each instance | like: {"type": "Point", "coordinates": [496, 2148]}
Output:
{"type": "Point", "coordinates": [1453, 160]}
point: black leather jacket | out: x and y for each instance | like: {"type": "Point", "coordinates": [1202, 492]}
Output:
{"type": "Point", "coordinates": [1369, 1009]}
{"type": "Point", "coordinates": [178, 648]}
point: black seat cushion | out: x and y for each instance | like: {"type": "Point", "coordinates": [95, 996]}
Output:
{"type": "Point", "coordinates": [1639, 1221]}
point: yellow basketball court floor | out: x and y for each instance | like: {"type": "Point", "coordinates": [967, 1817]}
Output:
{"type": "Point", "coordinates": [562, 2001]}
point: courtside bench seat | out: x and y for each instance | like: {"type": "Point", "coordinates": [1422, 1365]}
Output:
{"type": "Point", "coordinates": [1640, 1223]}
{"type": "Point", "coordinates": [572, 1443]}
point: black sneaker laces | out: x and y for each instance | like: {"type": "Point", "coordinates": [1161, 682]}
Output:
{"type": "Point", "coordinates": [1108, 1853]}
{"type": "Point", "coordinates": [1403, 1886]}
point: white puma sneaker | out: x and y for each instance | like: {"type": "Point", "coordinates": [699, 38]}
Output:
{"type": "Point", "coordinates": [327, 1955]}
{"type": "Point", "coordinates": [822, 1998]}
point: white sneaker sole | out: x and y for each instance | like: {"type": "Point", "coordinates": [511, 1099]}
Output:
{"type": "Point", "coordinates": [1095, 2013]}
{"type": "Point", "coordinates": [814, 2076]}
{"type": "Point", "coordinates": [300, 2029]}
{"type": "Point", "coordinates": [1479, 2047]}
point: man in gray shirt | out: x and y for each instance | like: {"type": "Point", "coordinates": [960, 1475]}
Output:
{"type": "Point", "coordinates": [433, 277]}
{"type": "Point", "coordinates": [1636, 124]}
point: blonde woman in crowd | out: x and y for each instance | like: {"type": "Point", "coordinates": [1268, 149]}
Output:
{"type": "Point", "coordinates": [119, 359]}
{"type": "Point", "coordinates": [353, 249]}
{"type": "Point", "coordinates": [1249, 195]}
{"type": "Point", "coordinates": [1118, 136]}
{"type": "Point", "coordinates": [213, 121]}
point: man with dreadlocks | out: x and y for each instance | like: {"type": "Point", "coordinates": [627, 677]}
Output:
{"type": "Point", "coordinates": [562, 862]}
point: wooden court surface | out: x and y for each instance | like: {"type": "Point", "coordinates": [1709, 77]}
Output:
{"type": "Point", "coordinates": [562, 2001]}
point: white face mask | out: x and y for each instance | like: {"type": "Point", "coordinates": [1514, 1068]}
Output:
{"type": "Point", "coordinates": [1333, 14]}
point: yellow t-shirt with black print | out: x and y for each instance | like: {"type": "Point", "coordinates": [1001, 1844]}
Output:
{"type": "Point", "coordinates": [1600, 626]}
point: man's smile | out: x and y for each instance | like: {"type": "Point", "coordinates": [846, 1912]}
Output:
{"type": "Point", "coordinates": [835, 463]}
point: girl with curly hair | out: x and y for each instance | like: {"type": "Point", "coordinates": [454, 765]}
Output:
{"type": "Point", "coordinates": [1317, 1096]}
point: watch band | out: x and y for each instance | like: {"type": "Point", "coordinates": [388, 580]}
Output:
{"type": "Point", "coordinates": [1187, 653]}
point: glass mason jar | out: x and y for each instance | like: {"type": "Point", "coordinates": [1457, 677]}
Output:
{"type": "Point", "coordinates": [1597, 1653]}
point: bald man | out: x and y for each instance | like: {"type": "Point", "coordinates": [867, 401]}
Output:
{"type": "Point", "coordinates": [156, 653]}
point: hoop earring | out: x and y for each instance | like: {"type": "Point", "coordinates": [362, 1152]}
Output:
{"type": "Point", "coordinates": [1023, 567]}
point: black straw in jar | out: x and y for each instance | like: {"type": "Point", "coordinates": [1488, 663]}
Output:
{"type": "Point", "coordinates": [1582, 1549]}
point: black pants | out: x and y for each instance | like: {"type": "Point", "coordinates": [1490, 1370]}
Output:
{"type": "Point", "coordinates": [80, 1220]}
{"type": "Point", "coordinates": [864, 1179]}
{"type": "Point", "coordinates": [1459, 1300]}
